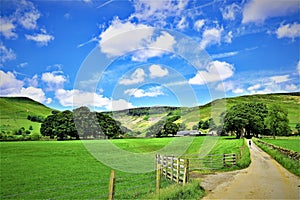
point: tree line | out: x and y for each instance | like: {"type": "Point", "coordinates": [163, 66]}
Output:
{"type": "Point", "coordinates": [81, 124]}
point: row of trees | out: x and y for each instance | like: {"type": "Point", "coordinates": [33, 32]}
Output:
{"type": "Point", "coordinates": [81, 123]}
{"type": "Point", "coordinates": [252, 119]}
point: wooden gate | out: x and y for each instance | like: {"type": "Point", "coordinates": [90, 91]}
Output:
{"type": "Point", "coordinates": [173, 168]}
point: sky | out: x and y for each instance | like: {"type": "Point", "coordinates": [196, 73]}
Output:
{"type": "Point", "coordinates": [119, 54]}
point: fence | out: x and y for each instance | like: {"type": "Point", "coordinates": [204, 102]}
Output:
{"type": "Point", "coordinates": [173, 168]}
{"type": "Point", "coordinates": [210, 161]}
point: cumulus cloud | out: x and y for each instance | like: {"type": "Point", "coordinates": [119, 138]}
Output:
{"type": "Point", "coordinates": [119, 104]}
{"type": "Point", "coordinates": [54, 79]}
{"type": "Point", "coordinates": [36, 94]}
{"type": "Point", "coordinates": [80, 98]}
{"type": "Point", "coordinates": [138, 93]}
{"type": "Point", "coordinates": [156, 12]}
{"type": "Point", "coordinates": [7, 28]}
{"type": "Point", "coordinates": [238, 91]}
{"type": "Point", "coordinates": [199, 24]}
{"type": "Point", "coordinates": [42, 38]}
{"type": "Point", "coordinates": [291, 87]}
{"type": "Point", "coordinates": [11, 86]}
{"type": "Point", "coordinates": [210, 37]}
{"type": "Point", "coordinates": [163, 44]}
{"type": "Point", "coordinates": [254, 87]}
{"type": "Point", "coordinates": [157, 71]}
{"type": "Point", "coordinates": [228, 37]}
{"type": "Point", "coordinates": [120, 38]}
{"type": "Point", "coordinates": [289, 30]}
{"type": "Point", "coordinates": [258, 11]}
{"type": "Point", "coordinates": [125, 37]}
{"type": "Point", "coordinates": [9, 83]}
{"type": "Point", "coordinates": [182, 24]}
{"type": "Point", "coordinates": [6, 54]}
{"type": "Point", "coordinates": [215, 71]}
{"type": "Point", "coordinates": [229, 12]}
{"type": "Point", "coordinates": [280, 79]}
{"type": "Point", "coordinates": [137, 76]}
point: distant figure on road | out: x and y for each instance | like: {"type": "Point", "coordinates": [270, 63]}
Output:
{"type": "Point", "coordinates": [250, 143]}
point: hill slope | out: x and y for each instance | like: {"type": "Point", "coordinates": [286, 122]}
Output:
{"type": "Point", "coordinates": [14, 112]}
{"type": "Point", "coordinates": [191, 116]}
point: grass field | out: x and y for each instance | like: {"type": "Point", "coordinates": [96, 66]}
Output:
{"type": "Point", "coordinates": [292, 143]}
{"type": "Point", "coordinates": [66, 170]}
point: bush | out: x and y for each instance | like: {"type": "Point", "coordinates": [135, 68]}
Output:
{"type": "Point", "coordinates": [35, 136]}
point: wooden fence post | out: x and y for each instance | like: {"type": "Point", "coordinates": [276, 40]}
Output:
{"type": "Point", "coordinates": [224, 160]}
{"type": "Point", "coordinates": [178, 170]}
{"type": "Point", "coordinates": [158, 177]}
{"type": "Point", "coordinates": [234, 159]}
{"type": "Point", "coordinates": [186, 171]}
{"type": "Point", "coordinates": [111, 188]}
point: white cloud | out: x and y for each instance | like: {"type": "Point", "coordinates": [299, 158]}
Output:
{"type": "Point", "coordinates": [36, 94]}
{"type": "Point", "coordinates": [291, 87]}
{"type": "Point", "coordinates": [199, 24]}
{"type": "Point", "coordinates": [42, 38]}
{"type": "Point", "coordinates": [29, 19]}
{"type": "Point", "coordinates": [80, 98]}
{"type": "Point", "coordinates": [120, 38]}
{"type": "Point", "coordinates": [7, 28]}
{"type": "Point", "coordinates": [156, 12]}
{"type": "Point", "coordinates": [288, 30]}
{"type": "Point", "coordinates": [225, 86]}
{"type": "Point", "coordinates": [224, 55]}
{"type": "Point", "coordinates": [228, 37]}
{"type": "Point", "coordinates": [138, 93]}
{"type": "Point", "coordinates": [54, 79]}
{"type": "Point", "coordinates": [6, 54]}
{"type": "Point", "coordinates": [137, 76]}
{"type": "Point", "coordinates": [238, 91]}
{"type": "Point", "coordinates": [182, 24]}
{"type": "Point", "coordinates": [280, 79]}
{"type": "Point", "coordinates": [230, 11]}
{"type": "Point", "coordinates": [254, 87]}
{"type": "Point", "coordinates": [258, 11]}
{"type": "Point", "coordinates": [210, 37]}
{"type": "Point", "coordinates": [161, 45]}
{"type": "Point", "coordinates": [215, 71]}
{"type": "Point", "coordinates": [157, 71]}
{"type": "Point", "coordinates": [11, 86]}
{"type": "Point", "coordinates": [298, 68]}
{"type": "Point", "coordinates": [9, 83]}
{"type": "Point", "coordinates": [32, 81]}
{"type": "Point", "coordinates": [119, 104]}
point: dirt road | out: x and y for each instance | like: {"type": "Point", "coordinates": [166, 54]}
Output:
{"type": "Point", "coordinates": [263, 179]}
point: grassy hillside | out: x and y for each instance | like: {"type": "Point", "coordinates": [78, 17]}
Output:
{"type": "Point", "coordinates": [14, 112]}
{"type": "Point", "coordinates": [191, 116]}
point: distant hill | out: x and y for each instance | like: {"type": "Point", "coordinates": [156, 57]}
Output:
{"type": "Point", "coordinates": [191, 116]}
{"type": "Point", "coordinates": [15, 110]}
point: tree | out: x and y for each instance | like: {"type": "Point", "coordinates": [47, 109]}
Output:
{"type": "Point", "coordinates": [245, 117]}
{"type": "Point", "coordinates": [277, 120]}
{"type": "Point", "coordinates": [170, 128]}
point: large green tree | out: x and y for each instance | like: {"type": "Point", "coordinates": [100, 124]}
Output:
{"type": "Point", "coordinates": [277, 120]}
{"type": "Point", "coordinates": [245, 117]}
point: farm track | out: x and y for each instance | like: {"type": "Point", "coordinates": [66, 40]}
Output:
{"type": "Point", "coordinates": [263, 179]}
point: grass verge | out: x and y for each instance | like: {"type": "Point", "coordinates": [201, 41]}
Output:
{"type": "Point", "coordinates": [292, 165]}
{"type": "Point", "coordinates": [191, 190]}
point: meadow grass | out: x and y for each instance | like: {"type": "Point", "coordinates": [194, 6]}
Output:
{"type": "Point", "coordinates": [291, 143]}
{"type": "Point", "coordinates": [292, 165]}
{"type": "Point", "coordinates": [66, 170]}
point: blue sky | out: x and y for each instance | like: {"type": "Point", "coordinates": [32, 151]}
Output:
{"type": "Point", "coordinates": [112, 55]}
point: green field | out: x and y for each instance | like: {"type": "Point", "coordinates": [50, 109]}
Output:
{"type": "Point", "coordinates": [292, 143]}
{"type": "Point", "coordinates": [66, 170]}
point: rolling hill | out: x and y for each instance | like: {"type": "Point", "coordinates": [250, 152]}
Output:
{"type": "Point", "coordinates": [15, 110]}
